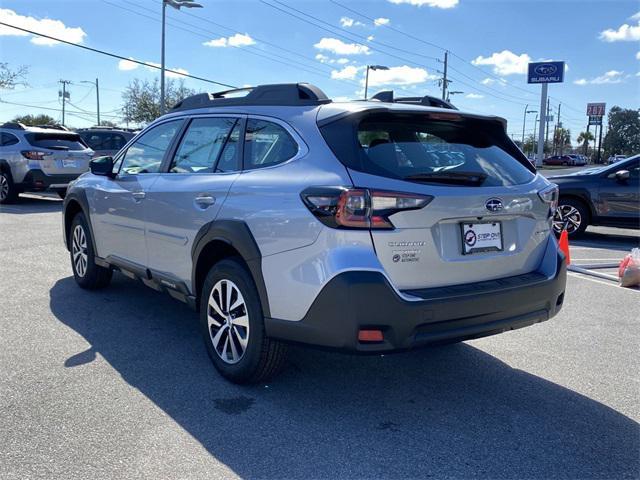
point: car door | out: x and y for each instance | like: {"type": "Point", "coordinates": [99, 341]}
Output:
{"type": "Point", "coordinates": [118, 216]}
{"type": "Point", "coordinates": [189, 193]}
{"type": "Point", "coordinates": [619, 200]}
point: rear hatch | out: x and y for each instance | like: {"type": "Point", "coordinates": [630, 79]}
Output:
{"type": "Point", "coordinates": [484, 218]}
{"type": "Point", "coordinates": [63, 153]}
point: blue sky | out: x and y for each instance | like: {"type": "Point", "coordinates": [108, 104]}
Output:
{"type": "Point", "coordinates": [252, 42]}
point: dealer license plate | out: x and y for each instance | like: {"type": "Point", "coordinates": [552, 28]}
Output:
{"type": "Point", "coordinates": [69, 163]}
{"type": "Point", "coordinates": [481, 237]}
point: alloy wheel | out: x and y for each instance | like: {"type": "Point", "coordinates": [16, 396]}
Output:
{"type": "Point", "coordinates": [228, 320]}
{"type": "Point", "coordinates": [569, 215]}
{"type": "Point", "coordinates": [4, 187]}
{"type": "Point", "coordinates": [79, 250]}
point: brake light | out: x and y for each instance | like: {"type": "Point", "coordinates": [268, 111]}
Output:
{"type": "Point", "coordinates": [549, 195]}
{"type": "Point", "coordinates": [33, 154]}
{"type": "Point", "coordinates": [340, 207]}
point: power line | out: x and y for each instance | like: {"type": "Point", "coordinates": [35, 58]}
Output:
{"type": "Point", "coordinates": [114, 55]}
{"type": "Point", "coordinates": [53, 109]}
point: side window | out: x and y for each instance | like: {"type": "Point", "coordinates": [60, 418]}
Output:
{"type": "Point", "coordinates": [8, 139]}
{"type": "Point", "coordinates": [267, 144]}
{"type": "Point", "coordinates": [229, 160]}
{"type": "Point", "coordinates": [201, 145]}
{"type": "Point", "coordinates": [146, 153]}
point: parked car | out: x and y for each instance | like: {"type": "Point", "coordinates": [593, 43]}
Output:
{"type": "Point", "coordinates": [566, 160]}
{"type": "Point", "coordinates": [615, 158]}
{"type": "Point", "coordinates": [577, 160]}
{"type": "Point", "coordinates": [284, 217]}
{"type": "Point", "coordinates": [33, 159]}
{"type": "Point", "coordinates": [105, 140]}
{"type": "Point", "coordinates": [605, 195]}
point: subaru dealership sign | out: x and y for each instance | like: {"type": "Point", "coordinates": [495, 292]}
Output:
{"type": "Point", "coordinates": [546, 72]}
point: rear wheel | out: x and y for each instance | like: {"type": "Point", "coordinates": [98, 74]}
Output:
{"type": "Point", "coordinates": [8, 191]}
{"type": "Point", "coordinates": [233, 326]}
{"type": "Point", "coordinates": [87, 274]}
{"type": "Point", "coordinates": [572, 213]}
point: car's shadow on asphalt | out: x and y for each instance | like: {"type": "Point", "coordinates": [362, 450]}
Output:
{"type": "Point", "coordinates": [33, 204]}
{"type": "Point", "coordinates": [450, 411]}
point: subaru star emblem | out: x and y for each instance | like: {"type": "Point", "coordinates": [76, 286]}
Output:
{"type": "Point", "coordinates": [494, 204]}
{"type": "Point", "coordinates": [546, 69]}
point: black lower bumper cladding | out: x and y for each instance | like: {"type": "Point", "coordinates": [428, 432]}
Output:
{"type": "Point", "coordinates": [353, 301]}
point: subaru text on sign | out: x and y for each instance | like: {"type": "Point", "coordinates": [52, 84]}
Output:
{"type": "Point", "coordinates": [546, 72]}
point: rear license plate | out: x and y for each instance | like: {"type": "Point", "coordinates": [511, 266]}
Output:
{"type": "Point", "coordinates": [69, 163]}
{"type": "Point", "coordinates": [481, 237]}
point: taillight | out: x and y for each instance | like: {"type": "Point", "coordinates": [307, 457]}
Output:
{"type": "Point", "coordinates": [549, 195]}
{"type": "Point", "coordinates": [340, 207]}
{"type": "Point", "coordinates": [33, 154]}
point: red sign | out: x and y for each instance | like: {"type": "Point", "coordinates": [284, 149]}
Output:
{"type": "Point", "coordinates": [596, 109]}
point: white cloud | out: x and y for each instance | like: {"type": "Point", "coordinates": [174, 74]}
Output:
{"type": "Point", "coordinates": [638, 56]}
{"type": "Point", "coordinates": [474, 95]}
{"type": "Point", "coordinates": [624, 33]}
{"type": "Point", "coordinates": [635, 16]}
{"type": "Point", "coordinates": [430, 3]}
{"type": "Point", "coordinates": [505, 62]}
{"type": "Point", "coordinates": [403, 75]}
{"type": "Point", "coordinates": [341, 48]}
{"type": "Point", "coordinates": [342, 61]}
{"type": "Point", "coordinates": [370, 38]}
{"type": "Point", "coordinates": [381, 21]}
{"type": "Point", "coordinates": [55, 28]}
{"type": "Point", "coordinates": [488, 81]}
{"type": "Point", "coordinates": [127, 65]}
{"type": "Point", "coordinates": [347, 73]}
{"type": "Point", "coordinates": [323, 58]}
{"type": "Point", "coordinates": [237, 40]}
{"type": "Point", "coordinates": [350, 22]}
{"type": "Point", "coordinates": [610, 77]}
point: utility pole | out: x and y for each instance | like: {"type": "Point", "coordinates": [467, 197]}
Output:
{"type": "Point", "coordinates": [98, 100]}
{"type": "Point", "coordinates": [600, 141]}
{"type": "Point", "coordinates": [64, 94]}
{"type": "Point", "coordinates": [445, 82]}
{"type": "Point", "coordinates": [559, 129]}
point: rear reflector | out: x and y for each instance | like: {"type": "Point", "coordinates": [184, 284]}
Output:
{"type": "Point", "coordinates": [370, 336]}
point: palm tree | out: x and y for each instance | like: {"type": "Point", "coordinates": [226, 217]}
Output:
{"type": "Point", "coordinates": [585, 138]}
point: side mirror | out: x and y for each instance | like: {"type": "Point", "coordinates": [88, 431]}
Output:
{"type": "Point", "coordinates": [102, 166]}
{"type": "Point", "coordinates": [622, 175]}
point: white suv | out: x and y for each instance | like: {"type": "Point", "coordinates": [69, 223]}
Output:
{"type": "Point", "coordinates": [39, 158]}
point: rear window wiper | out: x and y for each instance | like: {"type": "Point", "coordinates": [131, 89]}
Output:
{"type": "Point", "coordinates": [58, 147]}
{"type": "Point", "coordinates": [452, 178]}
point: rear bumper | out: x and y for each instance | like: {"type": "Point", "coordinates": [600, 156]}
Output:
{"type": "Point", "coordinates": [37, 180]}
{"type": "Point", "coordinates": [365, 300]}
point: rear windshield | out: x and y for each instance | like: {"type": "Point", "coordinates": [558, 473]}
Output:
{"type": "Point", "coordinates": [56, 141]}
{"type": "Point", "coordinates": [429, 148]}
{"type": "Point", "coordinates": [106, 140]}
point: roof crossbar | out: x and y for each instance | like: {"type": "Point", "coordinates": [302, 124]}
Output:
{"type": "Point", "coordinates": [281, 94]}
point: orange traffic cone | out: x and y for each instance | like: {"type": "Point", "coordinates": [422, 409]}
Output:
{"type": "Point", "coordinates": [564, 245]}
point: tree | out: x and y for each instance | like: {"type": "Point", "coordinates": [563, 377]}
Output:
{"type": "Point", "coordinates": [623, 136]}
{"type": "Point", "coordinates": [10, 78]}
{"type": "Point", "coordinates": [562, 139]}
{"type": "Point", "coordinates": [584, 138]}
{"type": "Point", "coordinates": [108, 123]}
{"type": "Point", "coordinates": [142, 98]}
{"type": "Point", "coordinates": [33, 120]}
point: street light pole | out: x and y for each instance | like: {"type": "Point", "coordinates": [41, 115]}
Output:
{"type": "Point", "coordinates": [97, 96]}
{"type": "Point", "coordinates": [177, 4]}
{"type": "Point", "coordinates": [524, 122]}
{"type": "Point", "coordinates": [366, 78]}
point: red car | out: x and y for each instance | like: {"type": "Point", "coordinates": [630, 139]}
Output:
{"type": "Point", "coordinates": [559, 160]}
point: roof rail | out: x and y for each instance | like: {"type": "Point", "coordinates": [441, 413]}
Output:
{"type": "Point", "coordinates": [427, 101]}
{"type": "Point", "coordinates": [14, 125]}
{"type": "Point", "coordinates": [52, 127]}
{"type": "Point", "coordinates": [282, 94]}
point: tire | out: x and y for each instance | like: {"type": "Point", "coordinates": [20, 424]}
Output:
{"type": "Point", "coordinates": [565, 164]}
{"type": "Point", "coordinates": [62, 193]}
{"type": "Point", "coordinates": [237, 343]}
{"type": "Point", "coordinates": [87, 274]}
{"type": "Point", "coordinates": [577, 214]}
{"type": "Point", "coordinates": [8, 190]}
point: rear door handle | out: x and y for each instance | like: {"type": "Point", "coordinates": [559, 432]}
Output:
{"type": "Point", "coordinates": [204, 200]}
{"type": "Point", "coordinates": [138, 195]}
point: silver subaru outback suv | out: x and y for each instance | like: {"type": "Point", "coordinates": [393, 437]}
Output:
{"type": "Point", "coordinates": [364, 226]}
{"type": "Point", "coordinates": [34, 159]}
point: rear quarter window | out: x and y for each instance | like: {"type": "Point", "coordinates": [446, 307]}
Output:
{"type": "Point", "coordinates": [56, 141]}
{"type": "Point", "coordinates": [408, 146]}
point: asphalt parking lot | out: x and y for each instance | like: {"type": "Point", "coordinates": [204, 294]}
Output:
{"type": "Point", "coordinates": [117, 384]}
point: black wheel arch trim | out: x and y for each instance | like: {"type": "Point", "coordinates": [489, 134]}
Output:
{"type": "Point", "coordinates": [581, 195]}
{"type": "Point", "coordinates": [237, 234]}
{"type": "Point", "coordinates": [79, 197]}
